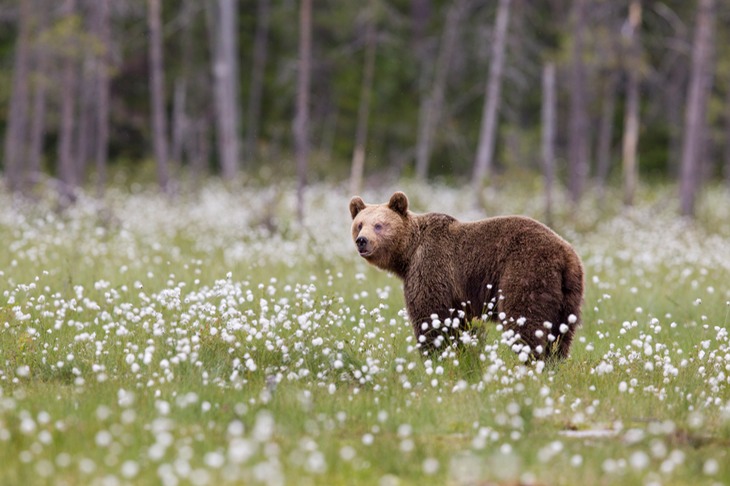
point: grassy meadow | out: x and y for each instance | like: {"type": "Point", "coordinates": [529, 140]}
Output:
{"type": "Point", "coordinates": [210, 339]}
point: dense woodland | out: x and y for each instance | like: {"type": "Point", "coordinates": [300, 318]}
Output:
{"type": "Point", "coordinates": [587, 93]}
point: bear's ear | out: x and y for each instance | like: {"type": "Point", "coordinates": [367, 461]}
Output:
{"type": "Point", "coordinates": [356, 205]}
{"type": "Point", "coordinates": [399, 203]}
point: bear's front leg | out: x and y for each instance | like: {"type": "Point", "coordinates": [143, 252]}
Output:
{"type": "Point", "coordinates": [432, 314]}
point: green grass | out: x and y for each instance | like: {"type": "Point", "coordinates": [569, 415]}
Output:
{"type": "Point", "coordinates": [210, 339]}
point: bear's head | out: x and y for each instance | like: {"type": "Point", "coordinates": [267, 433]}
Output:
{"type": "Point", "coordinates": [381, 231]}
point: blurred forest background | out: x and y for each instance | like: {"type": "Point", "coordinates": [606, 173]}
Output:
{"type": "Point", "coordinates": [582, 93]}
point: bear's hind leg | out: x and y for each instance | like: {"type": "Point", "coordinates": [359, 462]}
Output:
{"type": "Point", "coordinates": [526, 306]}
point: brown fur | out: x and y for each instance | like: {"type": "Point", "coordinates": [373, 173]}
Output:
{"type": "Point", "coordinates": [520, 265]}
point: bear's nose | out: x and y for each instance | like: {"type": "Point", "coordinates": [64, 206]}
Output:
{"type": "Point", "coordinates": [361, 241]}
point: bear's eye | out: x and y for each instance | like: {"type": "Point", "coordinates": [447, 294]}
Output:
{"type": "Point", "coordinates": [378, 227]}
{"type": "Point", "coordinates": [359, 227]}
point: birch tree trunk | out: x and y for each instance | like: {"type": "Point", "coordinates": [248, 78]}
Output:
{"type": "Point", "coordinates": [40, 97]}
{"type": "Point", "coordinates": [17, 128]}
{"type": "Point", "coordinates": [726, 155]}
{"type": "Point", "coordinates": [179, 121]}
{"type": "Point", "coordinates": [696, 108]}
{"type": "Point", "coordinates": [224, 46]}
{"type": "Point", "coordinates": [301, 121]}
{"type": "Point", "coordinates": [66, 165]}
{"type": "Point", "coordinates": [578, 133]}
{"type": "Point", "coordinates": [260, 52]}
{"type": "Point", "coordinates": [157, 93]}
{"type": "Point", "coordinates": [101, 147]}
{"type": "Point", "coordinates": [86, 123]}
{"type": "Point", "coordinates": [430, 113]}
{"type": "Point", "coordinates": [631, 113]}
{"type": "Point", "coordinates": [548, 136]}
{"type": "Point", "coordinates": [38, 119]}
{"type": "Point", "coordinates": [492, 98]}
{"type": "Point", "coordinates": [674, 102]}
{"type": "Point", "coordinates": [605, 131]}
{"type": "Point", "coordinates": [182, 126]}
{"type": "Point", "coordinates": [363, 111]}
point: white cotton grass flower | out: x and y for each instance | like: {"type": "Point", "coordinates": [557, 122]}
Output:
{"type": "Point", "coordinates": [27, 426]}
{"type": "Point", "coordinates": [347, 453]}
{"type": "Point", "coordinates": [130, 469]}
{"type": "Point", "coordinates": [214, 459]}
{"type": "Point", "coordinates": [639, 460]}
{"type": "Point", "coordinates": [710, 467]}
{"type": "Point", "coordinates": [430, 466]}
{"type": "Point", "coordinates": [103, 438]}
{"type": "Point", "coordinates": [240, 450]}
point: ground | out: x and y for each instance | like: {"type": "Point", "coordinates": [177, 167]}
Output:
{"type": "Point", "coordinates": [211, 338]}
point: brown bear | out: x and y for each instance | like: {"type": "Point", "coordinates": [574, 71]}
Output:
{"type": "Point", "coordinates": [512, 269]}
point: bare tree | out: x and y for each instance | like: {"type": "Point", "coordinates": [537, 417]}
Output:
{"type": "Point", "coordinates": [675, 79]}
{"type": "Point", "coordinates": [16, 135]}
{"type": "Point", "coordinates": [492, 98]}
{"type": "Point", "coordinates": [40, 95]}
{"type": "Point", "coordinates": [85, 117]}
{"type": "Point", "coordinates": [260, 52]}
{"type": "Point", "coordinates": [66, 165]}
{"type": "Point", "coordinates": [180, 122]}
{"type": "Point", "coordinates": [631, 113]}
{"type": "Point", "coordinates": [578, 132]}
{"type": "Point", "coordinates": [696, 108]}
{"type": "Point", "coordinates": [222, 24]}
{"type": "Point", "coordinates": [605, 130]}
{"type": "Point", "coordinates": [431, 108]}
{"type": "Point", "coordinates": [726, 154]}
{"type": "Point", "coordinates": [363, 111]}
{"type": "Point", "coordinates": [301, 120]}
{"type": "Point", "coordinates": [101, 147]}
{"type": "Point", "coordinates": [548, 135]}
{"type": "Point", "coordinates": [608, 54]}
{"type": "Point", "coordinates": [157, 92]}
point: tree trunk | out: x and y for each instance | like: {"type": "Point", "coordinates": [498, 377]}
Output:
{"type": "Point", "coordinates": [260, 52]}
{"type": "Point", "coordinates": [85, 127]}
{"type": "Point", "coordinates": [363, 111]}
{"type": "Point", "coordinates": [421, 11]}
{"type": "Point", "coordinates": [301, 121]}
{"type": "Point", "coordinates": [548, 136]}
{"type": "Point", "coordinates": [631, 113]}
{"type": "Point", "coordinates": [16, 134]}
{"type": "Point", "coordinates": [40, 85]}
{"type": "Point", "coordinates": [157, 93]}
{"type": "Point", "coordinates": [605, 131]}
{"type": "Point", "coordinates": [200, 147]}
{"type": "Point", "coordinates": [726, 154]}
{"type": "Point", "coordinates": [101, 147]}
{"type": "Point", "coordinates": [578, 133]}
{"type": "Point", "coordinates": [674, 102]}
{"type": "Point", "coordinates": [38, 123]}
{"type": "Point", "coordinates": [492, 98]}
{"type": "Point", "coordinates": [179, 121]}
{"type": "Point", "coordinates": [430, 113]}
{"type": "Point", "coordinates": [103, 66]}
{"type": "Point", "coordinates": [225, 91]}
{"type": "Point", "coordinates": [182, 127]}
{"type": "Point", "coordinates": [696, 108]}
{"type": "Point", "coordinates": [66, 165]}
